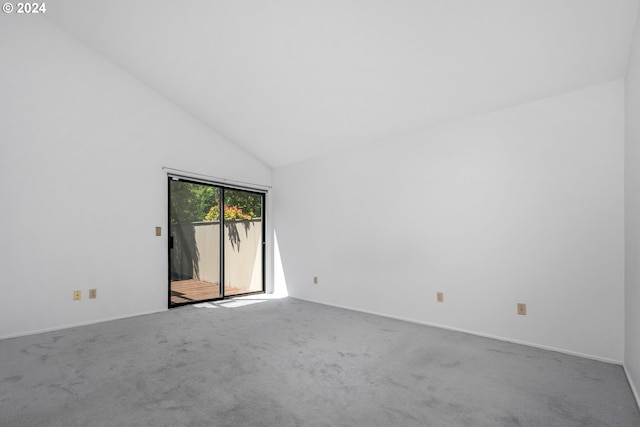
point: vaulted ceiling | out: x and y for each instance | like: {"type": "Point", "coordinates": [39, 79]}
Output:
{"type": "Point", "coordinates": [289, 80]}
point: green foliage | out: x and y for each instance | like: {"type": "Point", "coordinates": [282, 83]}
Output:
{"type": "Point", "coordinates": [248, 203]}
{"type": "Point", "coordinates": [230, 213]}
{"type": "Point", "coordinates": [191, 202]}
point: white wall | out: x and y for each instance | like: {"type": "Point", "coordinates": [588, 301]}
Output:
{"type": "Point", "coordinates": [632, 216]}
{"type": "Point", "coordinates": [520, 205]}
{"type": "Point", "coordinates": [82, 149]}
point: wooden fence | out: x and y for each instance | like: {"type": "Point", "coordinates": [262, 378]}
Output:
{"type": "Point", "coordinates": [196, 253]}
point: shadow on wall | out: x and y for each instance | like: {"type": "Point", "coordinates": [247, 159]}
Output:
{"type": "Point", "coordinates": [233, 233]}
{"type": "Point", "coordinates": [185, 253]}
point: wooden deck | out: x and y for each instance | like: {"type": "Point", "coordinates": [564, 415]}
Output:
{"type": "Point", "coordinates": [195, 290]}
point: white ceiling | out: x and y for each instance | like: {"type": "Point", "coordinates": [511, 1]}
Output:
{"type": "Point", "coordinates": [294, 79]}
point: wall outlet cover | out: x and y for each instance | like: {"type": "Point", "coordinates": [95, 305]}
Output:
{"type": "Point", "coordinates": [522, 309]}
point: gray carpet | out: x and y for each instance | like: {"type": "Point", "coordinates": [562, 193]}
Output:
{"type": "Point", "coordinates": [293, 363]}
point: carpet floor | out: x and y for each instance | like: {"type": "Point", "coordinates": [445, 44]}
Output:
{"type": "Point", "coordinates": [287, 362]}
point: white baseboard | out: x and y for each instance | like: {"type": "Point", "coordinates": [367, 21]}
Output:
{"type": "Point", "coordinates": [74, 325]}
{"type": "Point", "coordinates": [466, 331]}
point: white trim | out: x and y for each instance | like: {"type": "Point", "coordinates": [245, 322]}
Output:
{"type": "Point", "coordinates": [466, 331]}
{"type": "Point", "coordinates": [634, 390]}
{"type": "Point", "coordinates": [75, 325]}
{"type": "Point", "coordinates": [208, 179]}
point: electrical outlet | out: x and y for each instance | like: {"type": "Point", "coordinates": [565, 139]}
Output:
{"type": "Point", "coordinates": [158, 231]}
{"type": "Point", "coordinates": [77, 295]}
{"type": "Point", "coordinates": [315, 280]}
{"type": "Point", "coordinates": [522, 309]}
{"type": "Point", "coordinates": [440, 297]}
{"type": "Point", "coordinates": [93, 293]}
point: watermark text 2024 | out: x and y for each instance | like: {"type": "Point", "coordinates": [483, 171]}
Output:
{"type": "Point", "coordinates": [30, 8]}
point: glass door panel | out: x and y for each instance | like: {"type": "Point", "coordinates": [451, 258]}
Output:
{"type": "Point", "coordinates": [243, 242]}
{"type": "Point", "coordinates": [194, 241]}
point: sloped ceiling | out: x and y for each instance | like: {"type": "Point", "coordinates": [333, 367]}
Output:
{"type": "Point", "coordinates": [289, 80]}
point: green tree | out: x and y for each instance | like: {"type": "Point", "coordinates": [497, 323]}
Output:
{"type": "Point", "coordinates": [192, 202]}
{"type": "Point", "coordinates": [249, 203]}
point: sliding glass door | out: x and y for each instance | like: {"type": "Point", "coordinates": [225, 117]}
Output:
{"type": "Point", "coordinates": [214, 255]}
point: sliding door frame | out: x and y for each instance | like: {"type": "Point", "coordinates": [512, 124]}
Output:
{"type": "Point", "coordinates": [222, 187]}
